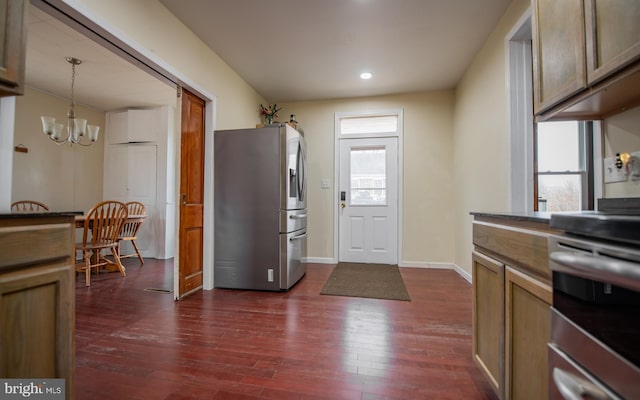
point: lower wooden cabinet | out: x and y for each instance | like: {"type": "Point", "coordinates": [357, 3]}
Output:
{"type": "Point", "coordinates": [37, 298]}
{"type": "Point", "coordinates": [527, 332]}
{"type": "Point", "coordinates": [488, 318]}
{"type": "Point", "coordinates": [511, 307]}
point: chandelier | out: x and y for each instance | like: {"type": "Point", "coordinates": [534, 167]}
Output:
{"type": "Point", "coordinates": [77, 128]}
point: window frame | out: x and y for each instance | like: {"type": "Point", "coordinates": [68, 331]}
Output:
{"type": "Point", "coordinates": [586, 173]}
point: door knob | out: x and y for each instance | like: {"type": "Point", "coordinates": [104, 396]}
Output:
{"type": "Point", "coordinates": [184, 199]}
{"type": "Point", "coordinates": [343, 205]}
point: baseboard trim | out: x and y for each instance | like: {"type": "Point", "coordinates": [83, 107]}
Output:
{"type": "Point", "coordinates": [319, 260]}
{"type": "Point", "coordinates": [438, 265]}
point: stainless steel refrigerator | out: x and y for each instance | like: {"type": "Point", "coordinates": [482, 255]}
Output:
{"type": "Point", "coordinates": [260, 206]}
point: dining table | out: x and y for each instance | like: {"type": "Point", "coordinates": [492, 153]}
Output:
{"type": "Point", "coordinates": [81, 220]}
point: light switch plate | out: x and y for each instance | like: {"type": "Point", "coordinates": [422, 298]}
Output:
{"type": "Point", "coordinates": [611, 173]}
{"type": "Point", "coordinates": [324, 184]}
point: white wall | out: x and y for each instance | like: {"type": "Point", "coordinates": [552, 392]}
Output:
{"type": "Point", "coordinates": [65, 178]}
{"type": "Point", "coordinates": [622, 134]}
{"type": "Point", "coordinates": [428, 191]}
{"type": "Point", "coordinates": [481, 143]}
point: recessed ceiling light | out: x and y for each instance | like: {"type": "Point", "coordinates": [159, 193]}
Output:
{"type": "Point", "coordinates": [366, 75]}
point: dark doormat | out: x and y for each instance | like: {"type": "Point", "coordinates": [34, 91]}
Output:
{"type": "Point", "coordinates": [377, 281]}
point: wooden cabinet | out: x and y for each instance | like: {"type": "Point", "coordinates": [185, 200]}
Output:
{"type": "Point", "coordinates": [37, 298]}
{"type": "Point", "coordinates": [586, 58]}
{"type": "Point", "coordinates": [13, 46]}
{"type": "Point", "coordinates": [511, 307]}
{"type": "Point", "coordinates": [131, 126]}
{"type": "Point", "coordinates": [558, 51]}
{"type": "Point", "coordinates": [527, 332]}
{"type": "Point", "coordinates": [612, 36]}
{"type": "Point", "coordinates": [488, 318]}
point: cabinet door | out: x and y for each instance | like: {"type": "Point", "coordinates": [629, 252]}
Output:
{"type": "Point", "coordinates": [116, 129]}
{"type": "Point", "coordinates": [13, 44]}
{"type": "Point", "coordinates": [613, 36]}
{"type": "Point", "coordinates": [130, 174]}
{"type": "Point", "coordinates": [527, 332]}
{"type": "Point", "coordinates": [559, 69]}
{"type": "Point", "coordinates": [142, 188]}
{"type": "Point", "coordinates": [488, 318]}
{"type": "Point", "coordinates": [142, 126]}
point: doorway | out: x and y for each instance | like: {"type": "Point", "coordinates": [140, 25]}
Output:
{"type": "Point", "coordinates": [368, 187]}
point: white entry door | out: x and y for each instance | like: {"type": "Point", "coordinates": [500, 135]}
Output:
{"type": "Point", "coordinates": [368, 200]}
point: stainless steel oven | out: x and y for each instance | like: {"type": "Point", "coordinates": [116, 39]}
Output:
{"type": "Point", "coordinates": [594, 351]}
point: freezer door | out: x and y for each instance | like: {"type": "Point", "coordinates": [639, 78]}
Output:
{"type": "Point", "coordinates": [293, 249]}
{"type": "Point", "coordinates": [292, 220]}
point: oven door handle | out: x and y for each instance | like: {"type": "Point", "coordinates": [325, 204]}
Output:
{"type": "Point", "coordinates": [572, 387]}
{"type": "Point", "coordinates": [607, 270]}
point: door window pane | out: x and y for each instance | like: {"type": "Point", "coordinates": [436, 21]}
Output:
{"type": "Point", "coordinates": [368, 180]}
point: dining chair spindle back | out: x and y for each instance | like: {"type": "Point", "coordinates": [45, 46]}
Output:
{"type": "Point", "coordinates": [131, 228]}
{"type": "Point", "coordinates": [101, 230]}
{"type": "Point", "coordinates": [28, 206]}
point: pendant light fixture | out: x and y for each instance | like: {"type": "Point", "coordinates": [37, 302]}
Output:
{"type": "Point", "coordinates": [77, 128]}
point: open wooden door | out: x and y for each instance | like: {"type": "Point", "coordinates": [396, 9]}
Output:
{"type": "Point", "coordinates": [190, 261]}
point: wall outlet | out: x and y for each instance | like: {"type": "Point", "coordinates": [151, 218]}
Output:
{"type": "Point", "coordinates": [611, 173]}
{"type": "Point", "coordinates": [324, 184]}
{"type": "Point", "coordinates": [270, 275]}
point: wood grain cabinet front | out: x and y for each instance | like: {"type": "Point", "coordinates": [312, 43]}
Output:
{"type": "Point", "coordinates": [488, 318]}
{"type": "Point", "coordinates": [37, 298]}
{"type": "Point", "coordinates": [558, 44]}
{"type": "Point", "coordinates": [586, 58]}
{"type": "Point", "coordinates": [511, 306]}
{"type": "Point", "coordinates": [527, 332]}
{"type": "Point", "coordinates": [13, 46]}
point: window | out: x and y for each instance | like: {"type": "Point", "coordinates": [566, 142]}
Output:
{"type": "Point", "coordinates": [368, 178]}
{"type": "Point", "coordinates": [369, 125]}
{"type": "Point", "coordinates": [563, 169]}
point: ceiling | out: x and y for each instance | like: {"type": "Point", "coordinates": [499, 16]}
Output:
{"type": "Point", "coordinates": [287, 50]}
{"type": "Point", "coordinates": [104, 80]}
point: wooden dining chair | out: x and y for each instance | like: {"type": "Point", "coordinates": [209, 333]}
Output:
{"type": "Point", "coordinates": [131, 227]}
{"type": "Point", "coordinates": [28, 206]}
{"type": "Point", "coordinates": [101, 230]}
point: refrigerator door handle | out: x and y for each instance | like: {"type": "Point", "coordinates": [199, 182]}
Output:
{"type": "Point", "coordinates": [298, 216]}
{"type": "Point", "coordinates": [297, 237]}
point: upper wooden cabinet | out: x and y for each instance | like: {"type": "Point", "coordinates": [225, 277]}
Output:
{"type": "Point", "coordinates": [13, 43]}
{"type": "Point", "coordinates": [613, 36]}
{"type": "Point", "coordinates": [559, 68]}
{"type": "Point", "coordinates": [586, 58]}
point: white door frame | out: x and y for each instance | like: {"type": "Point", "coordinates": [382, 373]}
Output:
{"type": "Point", "coordinates": [336, 170]}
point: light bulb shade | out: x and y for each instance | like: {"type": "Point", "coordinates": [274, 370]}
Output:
{"type": "Point", "coordinates": [57, 131]}
{"type": "Point", "coordinates": [48, 125]}
{"type": "Point", "coordinates": [79, 127]}
{"type": "Point", "coordinates": [93, 132]}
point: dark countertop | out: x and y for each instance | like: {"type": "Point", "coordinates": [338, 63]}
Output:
{"type": "Point", "coordinates": [40, 215]}
{"type": "Point", "coordinates": [534, 216]}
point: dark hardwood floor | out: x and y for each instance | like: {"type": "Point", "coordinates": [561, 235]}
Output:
{"type": "Point", "coordinates": [133, 343]}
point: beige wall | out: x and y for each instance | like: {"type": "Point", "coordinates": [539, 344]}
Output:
{"type": "Point", "coordinates": [66, 178]}
{"type": "Point", "coordinates": [622, 134]}
{"type": "Point", "coordinates": [427, 181]}
{"type": "Point", "coordinates": [481, 162]}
